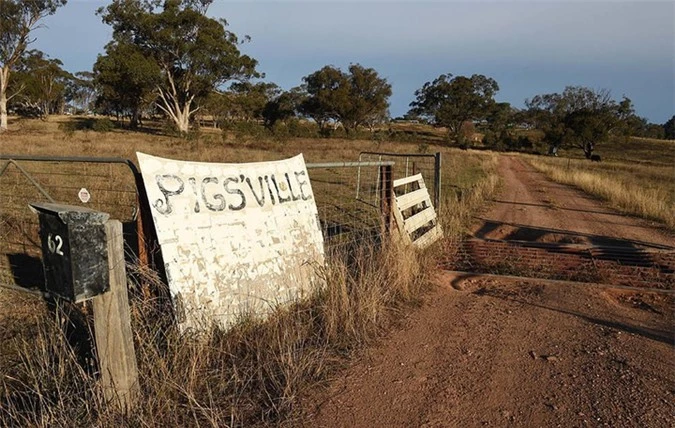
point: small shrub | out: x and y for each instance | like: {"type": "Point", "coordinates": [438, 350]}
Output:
{"type": "Point", "coordinates": [68, 129]}
{"type": "Point", "coordinates": [299, 129]}
{"type": "Point", "coordinates": [245, 130]}
{"type": "Point", "coordinates": [280, 132]}
{"type": "Point", "coordinates": [102, 125]}
{"type": "Point", "coordinates": [492, 140]}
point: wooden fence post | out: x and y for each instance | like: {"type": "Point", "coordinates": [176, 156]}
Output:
{"type": "Point", "coordinates": [385, 185]}
{"type": "Point", "coordinates": [112, 328]}
{"type": "Point", "coordinates": [437, 181]}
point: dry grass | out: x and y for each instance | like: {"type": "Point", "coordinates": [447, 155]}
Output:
{"type": "Point", "coordinates": [252, 374]}
{"type": "Point", "coordinates": [36, 137]}
{"type": "Point", "coordinates": [631, 150]}
{"type": "Point", "coordinates": [476, 173]}
{"type": "Point", "coordinates": [646, 191]}
{"type": "Point", "coordinates": [255, 373]}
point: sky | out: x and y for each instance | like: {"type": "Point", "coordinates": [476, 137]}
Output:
{"type": "Point", "coordinates": [529, 48]}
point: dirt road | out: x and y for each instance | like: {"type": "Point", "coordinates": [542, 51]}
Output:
{"type": "Point", "coordinates": [521, 353]}
{"type": "Point", "coordinates": [533, 208]}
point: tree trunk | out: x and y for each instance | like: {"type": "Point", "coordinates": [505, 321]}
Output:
{"type": "Point", "coordinates": [4, 76]}
{"type": "Point", "coordinates": [3, 111]}
{"type": "Point", "coordinates": [182, 120]}
{"type": "Point", "coordinates": [135, 115]}
{"type": "Point", "coordinates": [588, 150]}
{"type": "Point", "coordinates": [179, 114]}
{"type": "Point", "coordinates": [176, 102]}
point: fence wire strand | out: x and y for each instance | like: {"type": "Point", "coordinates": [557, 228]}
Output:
{"type": "Point", "coordinates": [348, 199]}
{"type": "Point", "coordinates": [111, 187]}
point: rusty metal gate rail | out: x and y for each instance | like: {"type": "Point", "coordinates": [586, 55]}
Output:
{"type": "Point", "coordinates": [111, 186]}
{"type": "Point", "coordinates": [407, 164]}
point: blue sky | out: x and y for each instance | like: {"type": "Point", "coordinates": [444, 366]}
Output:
{"type": "Point", "coordinates": [528, 47]}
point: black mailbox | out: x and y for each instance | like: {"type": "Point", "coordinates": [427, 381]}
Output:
{"type": "Point", "coordinates": [74, 250]}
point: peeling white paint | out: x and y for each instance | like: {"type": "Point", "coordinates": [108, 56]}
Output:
{"type": "Point", "coordinates": [236, 238]}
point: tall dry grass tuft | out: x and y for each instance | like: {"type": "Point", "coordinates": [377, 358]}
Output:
{"type": "Point", "coordinates": [255, 372]}
{"type": "Point", "coordinates": [459, 207]}
{"type": "Point", "coordinates": [251, 374]}
{"type": "Point", "coordinates": [644, 191]}
{"type": "Point", "coordinates": [50, 383]}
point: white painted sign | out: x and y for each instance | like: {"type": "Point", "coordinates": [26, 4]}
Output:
{"type": "Point", "coordinates": [236, 238]}
{"type": "Point", "coordinates": [84, 195]}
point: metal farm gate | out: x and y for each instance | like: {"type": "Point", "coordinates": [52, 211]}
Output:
{"type": "Point", "coordinates": [351, 200]}
{"type": "Point", "coordinates": [406, 165]}
{"type": "Point", "coordinates": [106, 184]}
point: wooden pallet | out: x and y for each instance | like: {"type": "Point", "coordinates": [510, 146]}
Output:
{"type": "Point", "coordinates": [414, 214]}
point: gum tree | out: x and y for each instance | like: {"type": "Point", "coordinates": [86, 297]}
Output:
{"type": "Point", "coordinates": [40, 84]}
{"type": "Point", "coordinates": [18, 19]}
{"type": "Point", "coordinates": [580, 117]}
{"type": "Point", "coordinates": [669, 129]}
{"type": "Point", "coordinates": [195, 53]}
{"type": "Point", "coordinates": [353, 98]}
{"type": "Point", "coordinates": [450, 101]}
{"type": "Point", "coordinates": [126, 81]}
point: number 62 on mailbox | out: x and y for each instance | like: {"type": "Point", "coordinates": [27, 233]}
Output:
{"type": "Point", "coordinates": [74, 250]}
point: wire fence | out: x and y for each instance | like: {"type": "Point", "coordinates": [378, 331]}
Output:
{"type": "Point", "coordinates": [406, 165]}
{"type": "Point", "coordinates": [109, 185]}
{"type": "Point", "coordinates": [351, 200]}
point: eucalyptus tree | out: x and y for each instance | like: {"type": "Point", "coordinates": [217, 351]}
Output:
{"type": "Point", "coordinates": [18, 19]}
{"type": "Point", "coordinates": [325, 88]}
{"type": "Point", "coordinates": [39, 84]}
{"type": "Point", "coordinates": [580, 117]}
{"type": "Point", "coordinates": [81, 91]}
{"type": "Point", "coordinates": [353, 98]}
{"type": "Point", "coordinates": [283, 107]}
{"type": "Point", "coordinates": [247, 100]}
{"type": "Point", "coordinates": [450, 101]}
{"type": "Point", "coordinates": [195, 53]}
{"type": "Point", "coordinates": [669, 128]}
{"type": "Point", "coordinates": [125, 80]}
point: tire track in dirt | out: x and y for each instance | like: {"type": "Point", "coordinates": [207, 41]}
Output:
{"type": "Point", "coordinates": [533, 208]}
{"type": "Point", "coordinates": [519, 353]}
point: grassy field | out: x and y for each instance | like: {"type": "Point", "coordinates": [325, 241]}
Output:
{"type": "Point", "coordinates": [633, 150]}
{"type": "Point", "coordinates": [254, 373]}
{"type": "Point", "coordinates": [645, 189]}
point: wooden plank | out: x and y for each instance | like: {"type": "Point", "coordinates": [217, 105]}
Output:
{"type": "Point", "coordinates": [409, 226]}
{"type": "Point", "coordinates": [386, 193]}
{"type": "Point", "coordinates": [428, 238]}
{"type": "Point", "coordinates": [112, 328]}
{"type": "Point", "coordinates": [411, 179]}
{"type": "Point", "coordinates": [413, 198]}
{"type": "Point", "coordinates": [420, 219]}
{"type": "Point", "coordinates": [400, 224]}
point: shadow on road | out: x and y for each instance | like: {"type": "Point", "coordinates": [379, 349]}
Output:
{"type": "Point", "coordinates": [524, 232]}
{"type": "Point", "coordinates": [649, 333]}
{"type": "Point", "coordinates": [558, 208]}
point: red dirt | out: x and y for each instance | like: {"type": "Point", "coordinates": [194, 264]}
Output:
{"type": "Point", "coordinates": [533, 208]}
{"type": "Point", "coordinates": [487, 352]}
